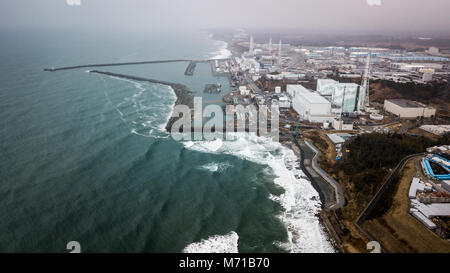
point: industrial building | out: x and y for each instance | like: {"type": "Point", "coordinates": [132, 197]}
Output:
{"type": "Point", "coordinates": [309, 105]}
{"type": "Point", "coordinates": [425, 205]}
{"type": "Point", "coordinates": [347, 96]}
{"type": "Point", "coordinates": [416, 66]}
{"type": "Point", "coordinates": [343, 124]}
{"type": "Point", "coordinates": [439, 130]}
{"type": "Point", "coordinates": [408, 109]}
{"type": "Point", "coordinates": [326, 86]}
{"type": "Point", "coordinates": [411, 57]}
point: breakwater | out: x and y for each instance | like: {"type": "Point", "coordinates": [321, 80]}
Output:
{"type": "Point", "coordinates": [53, 69]}
{"type": "Point", "coordinates": [113, 64]}
{"type": "Point", "coordinates": [190, 68]}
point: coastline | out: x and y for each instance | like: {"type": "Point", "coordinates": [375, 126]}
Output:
{"type": "Point", "coordinates": [301, 202]}
{"type": "Point", "coordinates": [182, 92]}
{"type": "Point", "coordinates": [323, 215]}
{"type": "Point", "coordinates": [184, 97]}
{"type": "Point", "coordinates": [300, 154]}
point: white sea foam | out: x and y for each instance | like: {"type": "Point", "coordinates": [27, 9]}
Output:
{"type": "Point", "coordinates": [146, 111]}
{"type": "Point", "coordinates": [300, 200]}
{"type": "Point", "coordinates": [216, 166]}
{"type": "Point", "coordinates": [223, 52]}
{"type": "Point", "coordinates": [216, 244]}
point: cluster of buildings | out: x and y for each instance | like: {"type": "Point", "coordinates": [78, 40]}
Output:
{"type": "Point", "coordinates": [430, 196]}
{"type": "Point", "coordinates": [347, 96]}
{"type": "Point", "coordinates": [333, 103]}
{"type": "Point", "coordinates": [299, 62]}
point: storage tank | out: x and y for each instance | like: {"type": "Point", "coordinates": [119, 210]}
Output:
{"type": "Point", "coordinates": [374, 116]}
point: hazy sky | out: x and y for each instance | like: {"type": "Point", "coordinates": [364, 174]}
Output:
{"type": "Point", "coordinates": [317, 15]}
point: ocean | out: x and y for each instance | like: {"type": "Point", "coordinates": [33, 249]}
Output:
{"type": "Point", "coordinates": [85, 157]}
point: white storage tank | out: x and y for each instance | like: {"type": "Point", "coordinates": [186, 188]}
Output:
{"type": "Point", "coordinates": [375, 116]}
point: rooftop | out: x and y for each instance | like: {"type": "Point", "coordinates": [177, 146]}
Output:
{"type": "Point", "coordinates": [406, 103]}
{"type": "Point", "coordinates": [336, 139]}
{"type": "Point", "coordinates": [308, 95]}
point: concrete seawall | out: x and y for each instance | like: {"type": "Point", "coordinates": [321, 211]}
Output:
{"type": "Point", "coordinates": [114, 64]}
{"type": "Point", "coordinates": [190, 68]}
{"type": "Point", "coordinates": [53, 69]}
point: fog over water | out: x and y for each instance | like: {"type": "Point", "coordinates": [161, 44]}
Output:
{"type": "Point", "coordinates": [326, 16]}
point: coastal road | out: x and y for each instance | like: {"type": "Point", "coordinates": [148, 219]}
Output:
{"type": "Point", "coordinates": [339, 194]}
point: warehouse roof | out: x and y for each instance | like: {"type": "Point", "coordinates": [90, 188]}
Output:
{"type": "Point", "coordinates": [406, 103]}
{"type": "Point", "coordinates": [309, 96]}
{"type": "Point", "coordinates": [336, 139]}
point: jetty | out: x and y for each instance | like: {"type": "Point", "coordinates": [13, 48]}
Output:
{"type": "Point", "coordinates": [191, 63]}
{"type": "Point", "coordinates": [113, 64]}
{"type": "Point", "coordinates": [190, 68]}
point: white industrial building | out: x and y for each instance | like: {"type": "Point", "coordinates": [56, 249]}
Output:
{"type": "Point", "coordinates": [408, 109]}
{"type": "Point", "coordinates": [427, 77]}
{"type": "Point", "coordinates": [424, 211]}
{"type": "Point", "coordinates": [243, 90]}
{"type": "Point", "coordinates": [343, 124]}
{"type": "Point", "coordinates": [439, 130]}
{"type": "Point", "coordinates": [309, 105]}
{"type": "Point", "coordinates": [348, 96]}
{"type": "Point", "coordinates": [326, 86]}
{"type": "Point", "coordinates": [284, 102]}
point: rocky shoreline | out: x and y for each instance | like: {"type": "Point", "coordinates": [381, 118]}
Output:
{"type": "Point", "coordinates": [184, 97]}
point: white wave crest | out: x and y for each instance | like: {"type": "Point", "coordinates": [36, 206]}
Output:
{"type": "Point", "coordinates": [223, 52]}
{"type": "Point", "coordinates": [147, 110]}
{"type": "Point", "coordinates": [300, 200]}
{"type": "Point", "coordinates": [216, 167]}
{"type": "Point", "coordinates": [216, 244]}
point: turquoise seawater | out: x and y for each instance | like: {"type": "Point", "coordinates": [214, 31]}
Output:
{"type": "Point", "coordinates": [84, 157]}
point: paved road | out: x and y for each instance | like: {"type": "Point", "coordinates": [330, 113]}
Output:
{"type": "Point", "coordinates": [252, 84]}
{"type": "Point", "coordinates": [384, 187]}
{"type": "Point", "coordinates": [373, 202]}
{"type": "Point", "coordinates": [339, 194]}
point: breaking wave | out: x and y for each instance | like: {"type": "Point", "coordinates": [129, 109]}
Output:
{"type": "Point", "coordinates": [147, 110]}
{"type": "Point", "coordinates": [216, 167]}
{"type": "Point", "coordinates": [216, 244]}
{"type": "Point", "coordinates": [300, 201]}
{"type": "Point", "coordinates": [223, 51]}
